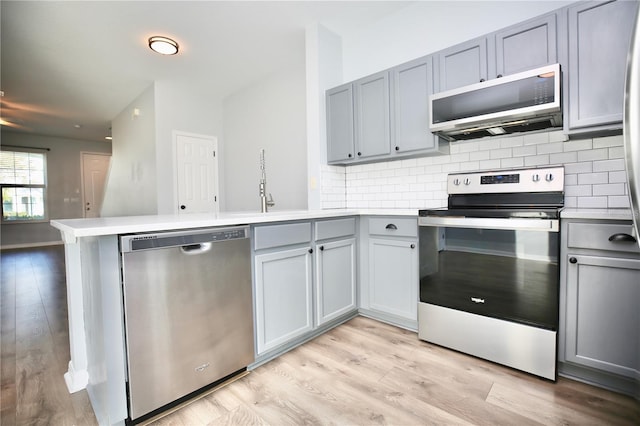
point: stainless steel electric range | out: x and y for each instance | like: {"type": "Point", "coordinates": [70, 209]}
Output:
{"type": "Point", "coordinates": [489, 276]}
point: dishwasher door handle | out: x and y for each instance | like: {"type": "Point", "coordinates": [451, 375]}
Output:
{"type": "Point", "coordinates": [193, 249]}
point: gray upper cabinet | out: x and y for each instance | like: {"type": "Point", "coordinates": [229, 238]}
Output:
{"type": "Point", "coordinates": [463, 64]}
{"type": "Point", "coordinates": [599, 34]}
{"type": "Point", "coordinates": [372, 133]}
{"type": "Point", "coordinates": [411, 85]}
{"type": "Point", "coordinates": [526, 46]}
{"type": "Point", "coordinates": [340, 138]}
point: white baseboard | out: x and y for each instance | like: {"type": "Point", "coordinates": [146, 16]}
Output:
{"type": "Point", "coordinates": [31, 245]}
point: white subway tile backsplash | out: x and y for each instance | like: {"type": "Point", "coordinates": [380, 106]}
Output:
{"type": "Point", "coordinates": [608, 165]}
{"type": "Point", "coordinates": [578, 145]}
{"type": "Point", "coordinates": [593, 155]}
{"type": "Point", "coordinates": [594, 172]}
{"type": "Point", "coordinates": [618, 202]}
{"type": "Point", "coordinates": [608, 189]}
{"type": "Point", "coordinates": [592, 202]}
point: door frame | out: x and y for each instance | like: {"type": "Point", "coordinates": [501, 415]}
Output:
{"type": "Point", "coordinates": [215, 175]}
{"type": "Point", "coordinates": [82, 182]}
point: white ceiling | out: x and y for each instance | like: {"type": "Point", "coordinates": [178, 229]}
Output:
{"type": "Point", "coordinates": [67, 63]}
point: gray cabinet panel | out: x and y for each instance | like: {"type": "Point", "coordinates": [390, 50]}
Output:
{"type": "Point", "coordinates": [340, 138]}
{"type": "Point", "coordinates": [463, 64]}
{"type": "Point", "coordinates": [599, 35]}
{"type": "Point", "coordinates": [336, 279]}
{"type": "Point", "coordinates": [372, 133]}
{"type": "Point", "coordinates": [412, 83]}
{"type": "Point", "coordinates": [602, 313]}
{"type": "Point", "coordinates": [393, 277]}
{"type": "Point", "coordinates": [596, 236]}
{"type": "Point", "coordinates": [284, 308]}
{"type": "Point", "coordinates": [335, 228]}
{"type": "Point", "coordinates": [393, 226]}
{"type": "Point", "coordinates": [526, 46]}
{"type": "Point", "coordinates": [268, 236]}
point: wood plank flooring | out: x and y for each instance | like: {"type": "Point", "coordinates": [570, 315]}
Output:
{"type": "Point", "coordinates": [361, 373]}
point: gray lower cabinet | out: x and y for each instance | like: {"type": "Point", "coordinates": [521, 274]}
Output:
{"type": "Point", "coordinates": [389, 269]}
{"type": "Point", "coordinates": [599, 335]}
{"type": "Point", "coordinates": [599, 35]}
{"type": "Point", "coordinates": [335, 279]}
{"type": "Point", "coordinates": [602, 313]}
{"type": "Point", "coordinates": [304, 279]}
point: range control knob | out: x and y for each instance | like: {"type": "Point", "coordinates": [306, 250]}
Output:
{"type": "Point", "coordinates": [535, 178]}
{"type": "Point", "coordinates": [467, 181]}
{"type": "Point", "coordinates": [456, 181]}
{"type": "Point", "coordinates": [548, 177]}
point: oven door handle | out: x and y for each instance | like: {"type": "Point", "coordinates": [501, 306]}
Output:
{"type": "Point", "coordinates": [514, 224]}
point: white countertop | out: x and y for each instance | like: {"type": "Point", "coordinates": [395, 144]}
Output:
{"type": "Point", "coordinates": [610, 214]}
{"type": "Point", "coordinates": [75, 228]}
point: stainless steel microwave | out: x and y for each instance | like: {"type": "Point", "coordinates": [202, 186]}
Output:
{"type": "Point", "coordinates": [526, 101]}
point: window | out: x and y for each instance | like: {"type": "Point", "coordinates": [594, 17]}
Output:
{"type": "Point", "coordinates": [22, 179]}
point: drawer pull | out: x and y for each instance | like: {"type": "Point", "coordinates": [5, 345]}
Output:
{"type": "Point", "coordinates": [391, 226]}
{"type": "Point", "coordinates": [622, 238]}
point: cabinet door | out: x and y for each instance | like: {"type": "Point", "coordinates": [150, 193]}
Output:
{"type": "Point", "coordinates": [372, 115]}
{"type": "Point", "coordinates": [463, 64]}
{"type": "Point", "coordinates": [336, 279]}
{"type": "Point", "coordinates": [412, 83]}
{"type": "Point", "coordinates": [340, 140]}
{"type": "Point", "coordinates": [529, 45]}
{"type": "Point", "coordinates": [393, 277]}
{"type": "Point", "coordinates": [602, 313]}
{"type": "Point", "coordinates": [599, 35]}
{"type": "Point", "coordinates": [283, 282]}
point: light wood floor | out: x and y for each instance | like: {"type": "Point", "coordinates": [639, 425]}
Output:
{"type": "Point", "coordinates": [363, 372]}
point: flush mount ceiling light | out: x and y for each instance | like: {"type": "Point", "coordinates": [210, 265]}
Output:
{"type": "Point", "coordinates": [163, 45]}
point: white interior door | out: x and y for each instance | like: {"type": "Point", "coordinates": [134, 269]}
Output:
{"type": "Point", "coordinates": [196, 173]}
{"type": "Point", "coordinates": [95, 167]}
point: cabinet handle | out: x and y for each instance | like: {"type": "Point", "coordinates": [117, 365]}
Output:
{"type": "Point", "coordinates": [499, 76]}
{"type": "Point", "coordinates": [413, 246]}
{"type": "Point", "coordinates": [391, 226]}
{"type": "Point", "coordinates": [350, 155]}
{"type": "Point", "coordinates": [622, 238]}
{"type": "Point", "coordinates": [310, 250]}
{"type": "Point", "coordinates": [182, 207]}
{"type": "Point", "coordinates": [482, 80]}
{"type": "Point", "coordinates": [397, 148]}
{"type": "Point", "coordinates": [573, 260]}
{"type": "Point", "coordinates": [321, 248]}
{"type": "Point", "coordinates": [359, 154]}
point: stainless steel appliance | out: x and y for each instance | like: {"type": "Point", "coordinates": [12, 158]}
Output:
{"type": "Point", "coordinates": [489, 277]}
{"type": "Point", "coordinates": [632, 125]}
{"type": "Point", "coordinates": [520, 102]}
{"type": "Point", "coordinates": [188, 313]}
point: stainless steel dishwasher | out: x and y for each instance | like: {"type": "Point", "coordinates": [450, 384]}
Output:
{"type": "Point", "coordinates": [188, 313]}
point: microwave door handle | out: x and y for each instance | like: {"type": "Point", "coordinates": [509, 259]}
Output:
{"type": "Point", "coordinates": [514, 224]}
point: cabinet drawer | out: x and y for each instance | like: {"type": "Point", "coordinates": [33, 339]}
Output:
{"type": "Point", "coordinates": [596, 236]}
{"type": "Point", "coordinates": [281, 235]}
{"type": "Point", "coordinates": [393, 226]}
{"type": "Point", "coordinates": [335, 228]}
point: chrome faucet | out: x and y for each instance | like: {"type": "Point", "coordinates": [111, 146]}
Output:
{"type": "Point", "coordinates": [264, 202]}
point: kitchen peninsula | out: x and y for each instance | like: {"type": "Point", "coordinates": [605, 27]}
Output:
{"type": "Point", "coordinates": [94, 290]}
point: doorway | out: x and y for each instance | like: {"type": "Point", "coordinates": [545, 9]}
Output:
{"type": "Point", "coordinates": [95, 167]}
{"type": "Point", "coordinates": [196, 173]}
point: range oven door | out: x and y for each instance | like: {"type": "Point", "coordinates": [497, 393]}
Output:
{"type": "Point", "coordinates": [500, 268]}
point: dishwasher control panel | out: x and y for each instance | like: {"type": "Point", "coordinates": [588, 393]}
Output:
{"type": "Point", "coordinates": [129, 243]}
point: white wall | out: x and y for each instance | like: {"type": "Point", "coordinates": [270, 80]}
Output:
{"type": "Point", "coordinates": [131, 185]}
{"type": "Point", "coordinates": [270, 114]}
{"type": "Point", "coordinates": [64, 191]}
{"type": "Point", "coordinates": [186, 107]}
{"type": "Point", "coordinates": [425, 27]}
